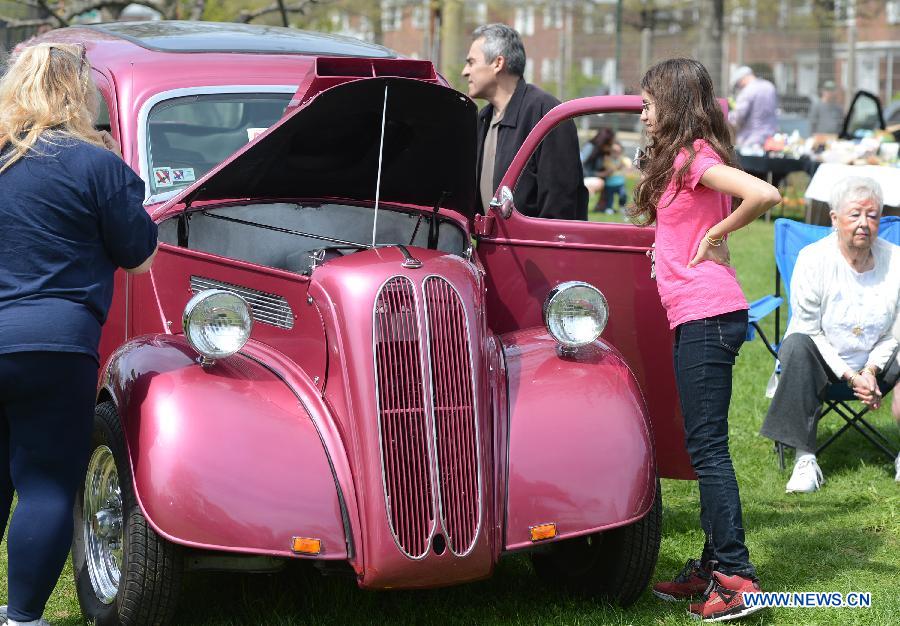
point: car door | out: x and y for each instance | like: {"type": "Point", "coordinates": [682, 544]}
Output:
{"type": "Point", "coordinates": [864, 114]}
{"type": "Point", "coordinates": [115, 330]}
{"type": "Point", "coordinates": [524, 258]}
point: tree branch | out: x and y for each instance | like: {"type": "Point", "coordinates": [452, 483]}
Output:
{"type": "Point", "coordinates": [197, 10]}
{"type": "Point", "coordinates": [246, 16]}
{"type": "Point", "coordinates": [62, 21]}
{"type": "Point", "coordinates": [62, 14]}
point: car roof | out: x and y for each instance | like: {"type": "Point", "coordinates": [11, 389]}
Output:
{"type": "Point", "coordinates": [188, 37]}
{"type": "Point", "coordinates": [195, 36]}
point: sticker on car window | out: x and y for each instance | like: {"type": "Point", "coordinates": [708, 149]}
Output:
{"type": "Point", "coordinates": [162, 176]}
{"type": "Point", "coordinates": [253, 133]}
{"type": "Point", "coordinates": [182, 175]}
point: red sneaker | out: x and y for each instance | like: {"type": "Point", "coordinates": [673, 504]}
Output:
{"type": "Point", "coordinates": [725, 599]}
{"type": "Point", "coordinates": [691, 581]}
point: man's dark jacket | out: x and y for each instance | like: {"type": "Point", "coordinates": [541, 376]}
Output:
{"type": "Point", "coordinates": [551, 185]}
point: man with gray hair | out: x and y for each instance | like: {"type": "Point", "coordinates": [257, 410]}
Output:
{"type": "Point", "coordinates": [755, 113]}
{"type": "Point", "coordinates": [845, 297]}
{"type": "Point", "coordinates": [551, 185]}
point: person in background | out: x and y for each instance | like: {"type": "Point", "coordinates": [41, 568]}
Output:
{"type": "Point", "coordinates": [615, 166]}
{"type": "Point", "coordinates": [687, 186]}
{"type": "Point", "coordinates": [72, 212]}
{"type": "Point", "coordinates": [826, 115]}
{"type": "Point", "coordinates": [755, 114]}
{"type": "Point", "coordinates": [551, 185]}
{"type": "Point", "coordinates": [845, 301]}
{"type": "Point", "coordinates": [593, 156]}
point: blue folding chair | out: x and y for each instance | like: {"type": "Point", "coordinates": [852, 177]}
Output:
{"type": "Point", "coordinates": [790, 238]}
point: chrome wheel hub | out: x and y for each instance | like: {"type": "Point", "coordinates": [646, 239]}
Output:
{"type": "Point", "coordinates": [102, 524]}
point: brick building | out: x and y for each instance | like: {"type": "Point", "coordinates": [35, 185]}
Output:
{"type": "Point", "coordinates": [571, 45]}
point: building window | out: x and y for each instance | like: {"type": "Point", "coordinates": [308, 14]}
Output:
{"type": "Point", "coordinates": [844, 9]}
{"type": "Point", "coordinates": [340, 22]}
{"type": "Point", "coordinates": [549, 70]}
{"type": "Point", "coordinates": [524, 21]}
{"type": "Point", "coordinates": [529, 70]}
{"type": "Point", "coordinates": [553, 16]}
{"type": "Point", "coordinates": [609, 24]}
{"type": "Point", "coordinates": [481, 13]}
{"type": "Point", "coordinates": [391, 15]}
{"type": "Point", "coordinates": [419, 17]}
{"type": "Point", "coordinates": [609, 72]}
{"type": "Point", "coordinates": [587, 67]}
{"type": "Point", "coordinates": [587, 18]}
{"type": "Point", "coordinates": [892, 11]}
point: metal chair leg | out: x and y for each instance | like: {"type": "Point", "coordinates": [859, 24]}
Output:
{"type": "Point", "coordinates": [856, 421]}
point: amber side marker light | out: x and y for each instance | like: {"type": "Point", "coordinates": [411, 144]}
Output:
{"type": "Point", "coordinates": [305, 545]}
{"type": "Point", "coordinates": [542, 532]}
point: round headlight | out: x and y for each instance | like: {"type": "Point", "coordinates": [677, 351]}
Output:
{"type": "Point", "coordinates": [217, 323]}
{"type": "Point", "coordinates": [575, 313]}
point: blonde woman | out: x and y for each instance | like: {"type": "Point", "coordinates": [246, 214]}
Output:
{"type": "Point", "coordinates": [72, 213]}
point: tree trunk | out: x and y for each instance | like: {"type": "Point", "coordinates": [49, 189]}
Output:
{"type": "Point", "coordinates": [377, 27]}
{"type": "Point", "coordinates": [825, 21]}
{"type": "Point", "coordinates": [452, 40]}
{"type": "Point", "coordinates": [712, 25]}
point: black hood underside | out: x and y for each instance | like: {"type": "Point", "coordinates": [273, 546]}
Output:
{"type": "Point", "coordinates": [330, 148]}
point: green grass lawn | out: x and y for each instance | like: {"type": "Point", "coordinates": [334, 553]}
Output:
{"type": "Point", "coordinates": [844, 538]}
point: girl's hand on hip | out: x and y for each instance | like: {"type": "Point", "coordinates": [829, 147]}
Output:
{"type": "Point", "coordinates": [716, 254]}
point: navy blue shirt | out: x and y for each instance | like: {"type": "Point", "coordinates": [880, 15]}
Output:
{"type": "Point", "coordinates": [70, 214]}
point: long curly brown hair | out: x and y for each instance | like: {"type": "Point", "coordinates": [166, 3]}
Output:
{"type": "Point", "coordinates": [686, 110]}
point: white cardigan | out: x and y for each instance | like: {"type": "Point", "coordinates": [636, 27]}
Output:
{"type": "Point", "coordinates": [851, 316]}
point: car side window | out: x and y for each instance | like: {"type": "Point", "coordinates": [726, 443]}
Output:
{"type": "Point", "coordinates": [609, 144]}
{"type": "Point", "coordinates": [102, 122]}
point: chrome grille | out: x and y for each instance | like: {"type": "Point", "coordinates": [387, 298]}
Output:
{"type": "Point", "coordinates": [454, 414]}
{"type": "Point", "coordinates": [266, 308]}
{"type": "Point", "coordinates": [401, 415]}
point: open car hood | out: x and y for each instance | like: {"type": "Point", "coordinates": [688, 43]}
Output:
{"type": "Point", "coordinates": [329, 148]}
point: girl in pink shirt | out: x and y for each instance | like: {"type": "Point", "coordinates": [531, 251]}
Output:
{"type": "Point", "coordinates": [688, 182]}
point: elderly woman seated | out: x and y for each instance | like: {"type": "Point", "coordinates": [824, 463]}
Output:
{"type": "Point", "coordinates": [845, 296]}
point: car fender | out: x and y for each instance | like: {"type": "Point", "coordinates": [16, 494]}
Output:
{"type": "Point", "coordinates": [223, 456]}
{"type": "Point", "coordinates": [579, 445]}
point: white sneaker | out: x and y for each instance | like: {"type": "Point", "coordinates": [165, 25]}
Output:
{"type": "Point", "coordinates": [806, 478]}
{"type": "Point", "coordinates": [10, 622]}
{"type": "Point", "coordinates": [897, 465]}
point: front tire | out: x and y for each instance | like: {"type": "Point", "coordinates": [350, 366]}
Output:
{"type": "Point", "coordinates": [125, 574]}
{"type": "Point", "coordinates": [615, 565]}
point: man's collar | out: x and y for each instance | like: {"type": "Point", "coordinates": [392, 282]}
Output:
{"type": "Point", "coordinates": [511, 115]}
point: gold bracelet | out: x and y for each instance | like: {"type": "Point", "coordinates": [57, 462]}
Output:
{"type": "Point", "coordinates": [871, 369]}
{"type": "Point", "coordinates": [715, 241]}
{"type": "Point", "coordinates": [850, 380]}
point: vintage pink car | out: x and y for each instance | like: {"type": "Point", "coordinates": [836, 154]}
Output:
{"type": "Point", "coordinates": [336, 358]}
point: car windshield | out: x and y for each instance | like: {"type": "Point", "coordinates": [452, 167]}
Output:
{"type": "Point", "coordinates": [188, 136]}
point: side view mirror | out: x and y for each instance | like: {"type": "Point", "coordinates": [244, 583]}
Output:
{"type": "Point", "coordinates": [504, 205]}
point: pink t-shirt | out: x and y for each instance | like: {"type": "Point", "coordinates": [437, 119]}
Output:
{"type": "Point", "coordinates": [708, 289]}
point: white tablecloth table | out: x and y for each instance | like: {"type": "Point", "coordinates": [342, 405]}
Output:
{"type": "Point", "coordinates": [828, 174]}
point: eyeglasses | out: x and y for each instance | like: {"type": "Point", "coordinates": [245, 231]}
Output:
{"type": "Point", "coordinates": [645, 107]}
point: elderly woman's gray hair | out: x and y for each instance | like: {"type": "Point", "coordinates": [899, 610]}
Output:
{"type": "Point", "coordinates": [855, 188]}
{"type": "Point", "coordinates": [501, 40]}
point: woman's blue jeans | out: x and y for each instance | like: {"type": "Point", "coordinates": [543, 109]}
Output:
{"type": "Point", "coordinates": [705, 351]}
